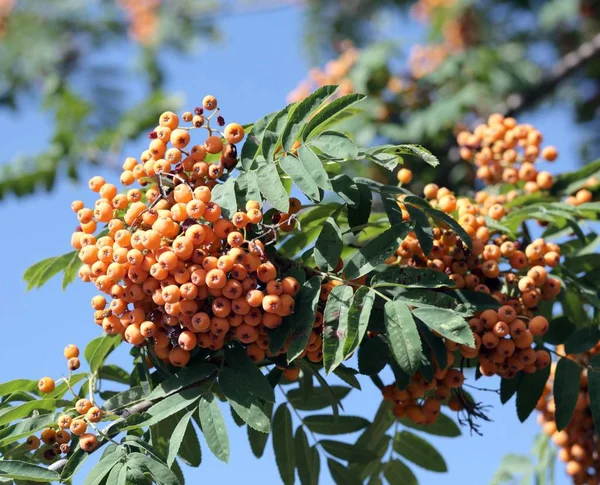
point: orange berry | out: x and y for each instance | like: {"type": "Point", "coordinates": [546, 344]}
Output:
{"type": "Point", "coordinates": [209, 102]}
{"type": "Point", "coordinates": [213, 144]}
{"type": "Point", "coordinates": [46, 385]}
{"type": "Point", "coordinates": [78, 427]}
{"type": "Point", "coordinates": [32, 443]}
{"type": "Point", "coordinates": [538, 326]}
{"type": "Point", "coordinates": [234, 133]}
{"type": "Point", "coordinates": [88, 442]}
{"type": "Point", "coordinates": [48, 436]}
{"type": "Point", "coordinates": [94, 414]}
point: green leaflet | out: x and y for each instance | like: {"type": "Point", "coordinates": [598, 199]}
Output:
{"type": "Point", "coordinates": [319, 398]}
{"type": "Point", "coordinates": [283, 444]}
{"type": "Point", "coordinates": [335, 326]}
{"type": "Point", "coordinates": [181, 379]}
{"type": "Point", "coordinates": [566, 391]}
{"type": "Point", "coordinates": [301, 112]}
{"type": "Point", "coordinates": [403, 336]}
{"type": "Point", "coordinates": [224, 195]}
{"type": "Point", "coordinates": [329, 112]}
{"type": "Point", "coordinates": [247, 406]}
{"type": "Point", "coordinates": [98, 350]}
{"type": "Point", "coordinates": [299, 324]}
{"type": "Point", "coordinates": [397, 473]}
{"type": "Point", "coordinates": [40, 273]}
{"type": "Point", "coordinates": [271, 187]}
{"type": "Point", "coordinates": [347, 452]}
{"type": "Point", "coordinates": [20, 470]}
{"type": "Point", "coordinates": [529, 392]}
{"type": "Point", "coordinates": [178, 436]}
{"type": "Point", "coordinates": [342, 475]}
{"type": "Point", "coordinates": [237, 358]}
{"type": "Point", "coordinates": [336, 145]}
{"type": "Point", "coordinates": [329, 245]}
{"type": "Point", "coordinates": [300, 176]}
{"type": "Point", "coordinates": [213, 427]}
{"type": "Point", "coordinates": [331, 425]}
{"type": "Point", "coordinates": [447, 323]}
{"type": "Point", "coordinates": [419, 451]}
{"type": "Point", "coordinates": [411, 278]}
{"type": "Point", "coordinates": [307, 459]}
{"type": "Point", "coordinates": [313, 165]}
{"type": "Point", "coordinates": [358, 318]}
{"type": "Point", "coordinates": [376, 251]}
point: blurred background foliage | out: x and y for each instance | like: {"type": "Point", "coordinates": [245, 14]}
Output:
{"type": "Point", "coordinates": [472, 57]}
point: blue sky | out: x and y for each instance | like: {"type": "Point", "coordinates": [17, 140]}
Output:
{"type": "Point", "coordinates": [260, 59]}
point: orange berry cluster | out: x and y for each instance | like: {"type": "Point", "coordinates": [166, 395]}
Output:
{"type": "Point", "coordinates": [335, 72]}
{"type": "Point", "coordinates": [578, 442]}
{"type": "Point", "coordinates": [181, 275]}
{"type": "Point", "coordinates": [422, 399]}
{"type": "Point", "coordinates": [143, 19]}
{"type": "Point", "coordinates": [6, 7]}
{"type": "Point", "coordinates": [506, 151]}
{"type": "Point", "coordinates": [513, 272]}
{"type": "Point", "coordinates": [458, 32]}
{"type": "Point", "coordinates": [58, 438]}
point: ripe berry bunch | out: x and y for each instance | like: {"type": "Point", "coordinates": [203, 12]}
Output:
{"type": "Point", "coordinates": [577, 442]}
{"type": "Point", "coordinates": [458, 32]}
{"type": "Point", "coordinates": [506, 151]}
{"type": "Point", "coordinates": [143, 19]}
{"type": "Point", "coordinates": [422, 399]}
{"type": "Point", "coordinates": [57, 438]}
{"type": "Point", "coordinates": [335, 72]}
{"type": "Point", "coordinates": [179, 273]}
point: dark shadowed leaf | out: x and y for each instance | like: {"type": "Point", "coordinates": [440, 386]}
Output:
{"type": "Point", "coordinates": [360, 214]}
{"type": "Point", "coordinates": [329, 245]}
{"type": "Point", "coordinates": [529, 392]}
{"type": "Point", "coordinates": [419, 451]}
{"type": "Point", "coordinates": [566, 391]}
{"type": "Point", "coordinates": [300, 323]}
{"type": "Point", "coordinates": [341, 475]}
{"type": "Point", "coordinates": [411, 278]}
{"type": "Point", "coordinates": [283, 444]}
{"type": "Point", "coordinates": [307, 459]}
{"type": "Point", "coordinates": [397, 473]}
{"type": "Point", "coordinates": [327, 424]}
{"type": "Point", "coordinates": [347, 452]}
{"type": "Point", "coordinates": [373, 355]}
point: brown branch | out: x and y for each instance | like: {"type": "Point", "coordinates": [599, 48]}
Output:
{"type": "Point", "coordinates": [569, 64]}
